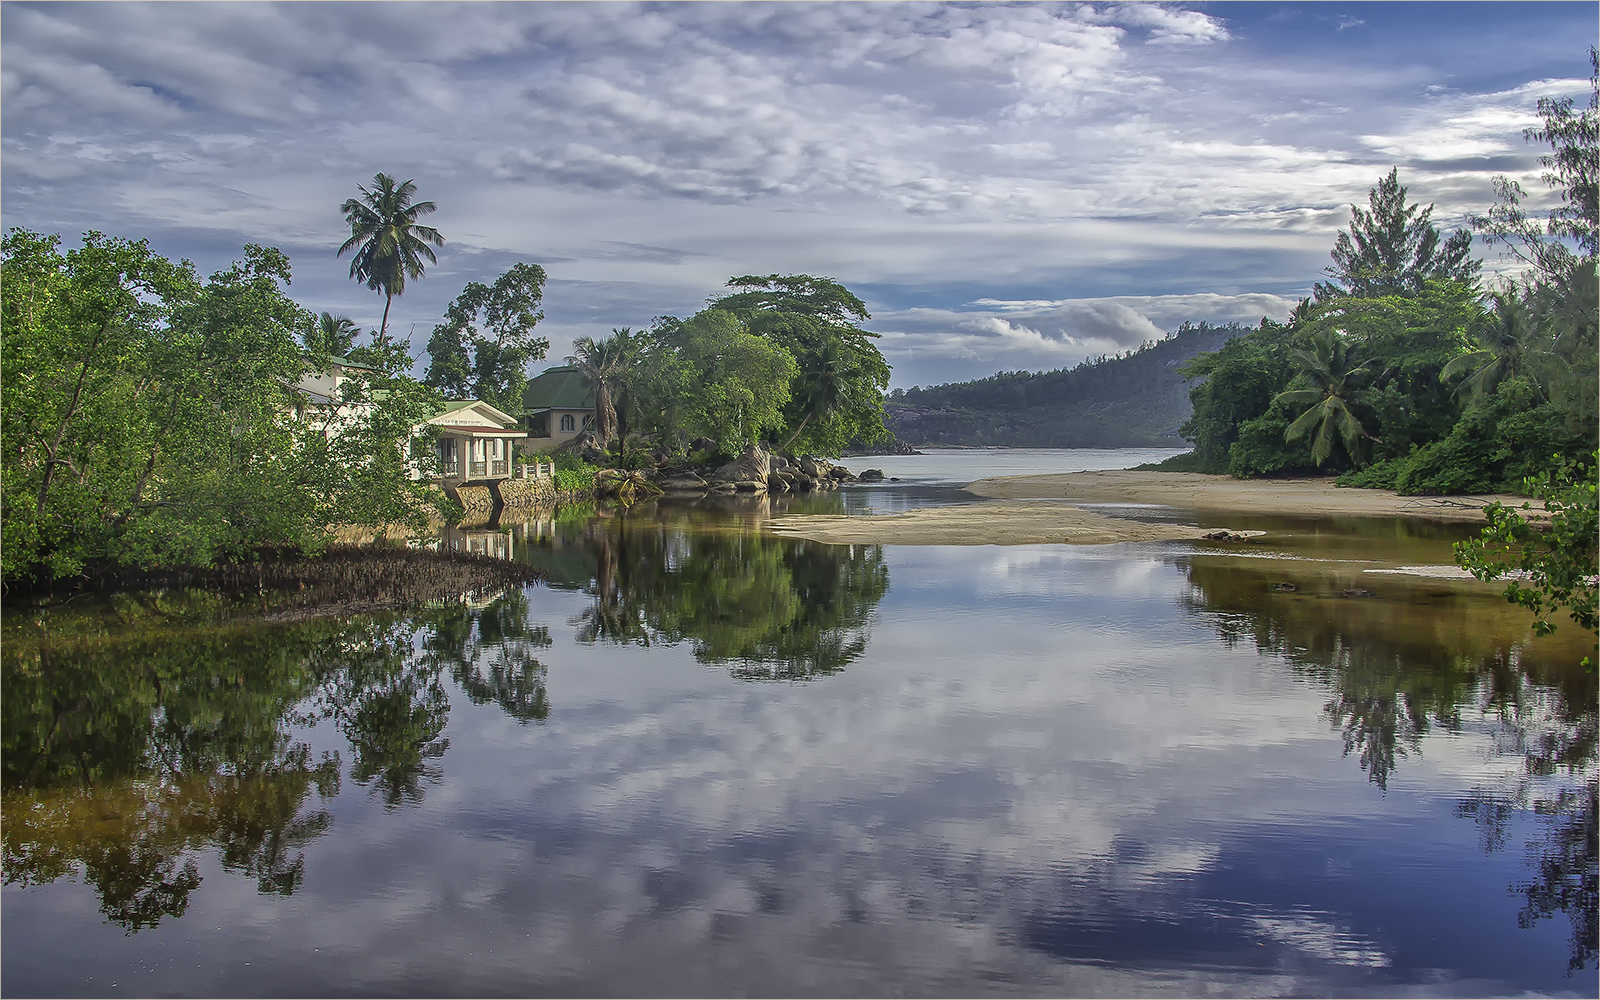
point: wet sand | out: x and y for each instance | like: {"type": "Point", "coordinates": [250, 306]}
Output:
{"type": "Point", "coordinates": [1000, 523]}
{"type": "Point", "coordinates": [1192, 490]}
{"type": "Point", "coordinates": [1030, 510]}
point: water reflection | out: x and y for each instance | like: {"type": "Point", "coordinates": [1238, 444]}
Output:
{"type": "Point", "coordinates": [774, 608]}
{"type": "Point", "coordinates": [125, 752]}
{"type": "Point", "coordinates": [1426, 657]}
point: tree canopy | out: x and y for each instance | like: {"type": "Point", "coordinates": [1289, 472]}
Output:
{"type": "Point", "coordinates": [483, 348]}
{"type": "Point", "coordinates": [390, 245]}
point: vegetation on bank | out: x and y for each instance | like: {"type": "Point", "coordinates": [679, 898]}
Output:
{"type": "Point", "coordinates": [1402, 370]}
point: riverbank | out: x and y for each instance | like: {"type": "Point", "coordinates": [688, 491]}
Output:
{"type": "Point", "coordinates": [1005, 523]}
{"type": "Point", "coordinates": [1317, 497]}
{"type": "Point", "coordinates": [1038, 509]}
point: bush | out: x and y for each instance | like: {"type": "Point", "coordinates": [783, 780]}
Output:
{"type": "Point", "coordinates": [1377, 476]}
{"type": "Point", "coordinates": [1262, 451]}
{"type": "Point", "coordinates": [575, 480]}
{"type": "Point", "coordinates": [1189, 461]}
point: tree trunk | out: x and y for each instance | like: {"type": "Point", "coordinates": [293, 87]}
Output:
{"type": "Point", "coordinates": [383, 327]}
{"type": "Point", "coordinates": [803, 421]}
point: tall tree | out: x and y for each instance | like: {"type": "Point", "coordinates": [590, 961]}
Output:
{"type": "Point", "coordinates": [390, 246]}
{"type": "Point", "coordinates": [817, 321]}
{"type": "Point", "coordinates": [1393, 248]}
{"type": "Point", "coordinates": [1505, 348]}
{"type": "Point", "coordinates": [490, 363]}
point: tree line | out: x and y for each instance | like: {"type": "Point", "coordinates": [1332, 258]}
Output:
{"type": "Point", "coordinates": [1404, 369]}
{"type": "Point", "coordinates": [152, 418]}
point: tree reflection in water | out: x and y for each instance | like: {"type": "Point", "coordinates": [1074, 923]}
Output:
{"type": "Point", "coordinates": [1440, 659]}
{"type": "Point", "coordinates": [127, 751]}
{"type": "Point", "coordinates": [776, 609]}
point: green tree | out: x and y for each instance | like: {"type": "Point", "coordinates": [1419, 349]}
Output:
{"type": "Point", "coordinates": [602, 363]}
{"type": "Point", "coordinates": [716, 378]}
{"type": "Point", "coordinates": [390, 246]}
{"type": "Point", "coordinates": [1328, 366]}
{"type": "Point", "coordinates": [1393, 248]}
{"type": "Point", "coordinates": [333, 335]}
{"type": "Point", "coordinates": [836, 392]}
{"type": "Point", "coordinates": [144, 411]}
{"type": "Point", "coordinates": [1503, 354]}
{"type": "Point", "coordinates": [1549, 554]}
{"type": "Point", "coordinates": [490, 363]}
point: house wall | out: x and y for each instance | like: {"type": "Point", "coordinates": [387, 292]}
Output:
{"type": "Point", "coordinates": [581, 419]}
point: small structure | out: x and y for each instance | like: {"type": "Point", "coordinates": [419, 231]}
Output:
{"type": "Point", "coordinates": [476, 441]}
{"type": "Point", "coordinates": [319, 396]}
{"type": "Point", "coordinates": [557, 406]}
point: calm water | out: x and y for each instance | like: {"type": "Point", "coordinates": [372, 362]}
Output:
{"type": "Point", "coordinates": [700, 760]}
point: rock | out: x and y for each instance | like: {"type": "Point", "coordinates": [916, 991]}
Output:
{"type": "Point", "coordinates": [684, 483]}
{"type": "Point", "coordinates": [896, 479]}
{"type": "Point", "coordinates": [779, 463]}
{"type": "Point", "coordinates": [704, 444]}
{"type": "Point", "coordinates": [778, 483]}
{"type": "Point", "coordinates": [803, 483]}
{"type": "Point", "coordinates": [1357, 592]}
{"type": "Point", "coordinates": [871, 476]}
{"type": "Point", "coordinates": [751, 486]}
{"type": "Point", "coordinates": [723, 488]}
{"type": "Point", "coordinates": [1285, 588]}
{"type": "Point", "coordinates": [816, 468]}
{"type": "Point", "coordinates": [754, 465]}
{"type": "Point", "coordinates": [839, 472]}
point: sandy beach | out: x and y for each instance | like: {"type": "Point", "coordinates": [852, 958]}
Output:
{"type": "Point", "coordinates": [1037, 509]}
{"type": "Point", "coordinates": [1316, 497]}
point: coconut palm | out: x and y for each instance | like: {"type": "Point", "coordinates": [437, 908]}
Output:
{"type": "Point", "coordinates": [1504, 352]}
{"type": "Point", "coordinates": [333, 335]}
{"type": "Point", "coordinates": [1327, 365]}
{"type": "Point", "coordinates": [390, 247]}
{"type": "Point", "coordinates": [826, 388]}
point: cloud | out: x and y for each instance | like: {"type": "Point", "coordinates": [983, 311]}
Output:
{"type": "Point", "coordinates": [927, 154]}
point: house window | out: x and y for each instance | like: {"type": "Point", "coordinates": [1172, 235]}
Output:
{"type": "Point", "coordinates": [588, 421]}
{"type": "Point", "coordinates": [567, 424]}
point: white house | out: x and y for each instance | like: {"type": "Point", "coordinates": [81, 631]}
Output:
{"type": "Point", "coordinates": [476, 440]}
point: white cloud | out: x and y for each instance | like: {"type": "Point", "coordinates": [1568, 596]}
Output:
{"type": "Point", "coordinates": [930, 153]}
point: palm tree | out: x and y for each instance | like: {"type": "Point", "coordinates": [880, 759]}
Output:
{"type": "Point", "coordinates": [1327, 365]}
{"type": "Point", "coordinates": [333, 335]}
{"type": "Point", "coordinates": [826, 388]}
{"type": "Point", "coordinates": [1504, 352]}
{"type": "Point", "coordinates": [390, 246]}
{"type": "Point", "coordinates": [603, 363]}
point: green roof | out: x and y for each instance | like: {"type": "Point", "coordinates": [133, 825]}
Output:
{"type": "Point", "coordinates": [560, 388]}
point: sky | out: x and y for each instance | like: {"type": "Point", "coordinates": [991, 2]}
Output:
{"type": "Point", "coordinates": [1007, 186]}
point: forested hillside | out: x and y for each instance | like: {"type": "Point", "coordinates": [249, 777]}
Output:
{"type": "Point", "coordinates": [1136, 399]}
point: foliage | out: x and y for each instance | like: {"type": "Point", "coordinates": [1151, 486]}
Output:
{"type": "Point", "coordinates": [836, 390]}
{"type": "Point", "coordinates": [1554, 548]}
{"type": "Point", "coordinates": [149, 415]}
{"type": "Point", "coordinates": [491, 364]}
{"type": "Point", "coordinates": [332, 336]}
{"type": "Point", "coordinates": [390, 246]}
{"type": "Point", "coordinates": [577, 479]}
{"type": "Point", "coordinates": [1393, 248]}
{"type": "Point", "coordinates": [607, 365]}
{"type": "Point", "coordinates": [1328, 367]}
{"type": "Point", "coordinates": [710, 376]}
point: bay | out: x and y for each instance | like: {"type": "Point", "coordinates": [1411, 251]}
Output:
{"type": "Point", "coordinates": [697, 759]}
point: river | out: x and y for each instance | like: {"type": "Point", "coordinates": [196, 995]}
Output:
{"type": "Point", "coordinates": [697, 759]}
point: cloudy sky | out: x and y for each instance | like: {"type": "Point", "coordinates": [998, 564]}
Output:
{"type": "Point", "coordinates": [1007, 186]}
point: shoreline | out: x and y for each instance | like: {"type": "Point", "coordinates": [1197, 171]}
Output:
{"type": "Point", "coordinates": [1316, 497]}
{"type": "Point", "coordinates": [1039, 509]}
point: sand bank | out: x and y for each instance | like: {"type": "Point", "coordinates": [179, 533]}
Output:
{"type": "Point", "coordinates": [1002, 523]}
{"type": "Point", "coordinates": [1313, 497]}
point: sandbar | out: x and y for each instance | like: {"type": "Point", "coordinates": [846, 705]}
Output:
{"type": "Point", "coordinates": [1317, 497]}
{"type": "Point", "coordinates": [999, 523]}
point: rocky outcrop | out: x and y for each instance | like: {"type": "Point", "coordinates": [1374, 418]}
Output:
{"type": "Point", "coordinates": [754, 466]}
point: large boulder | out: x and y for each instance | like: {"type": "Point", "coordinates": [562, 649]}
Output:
{"type": "Point", "coordinates": [872, 476]}
{"type": "Point", "coordinates": [755, 465]}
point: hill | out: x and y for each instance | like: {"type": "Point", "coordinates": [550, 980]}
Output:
{"type": "Point", "coordinates": [1138, 399]}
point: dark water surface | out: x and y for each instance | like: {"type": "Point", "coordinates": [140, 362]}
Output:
{"type": "Point", "coordinates": [700, 760]}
